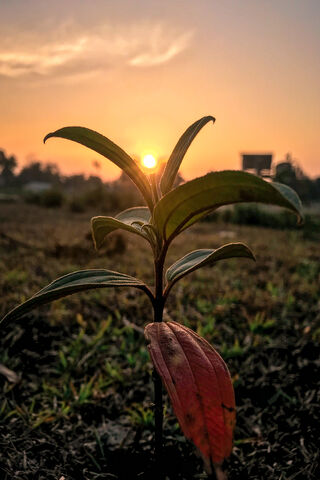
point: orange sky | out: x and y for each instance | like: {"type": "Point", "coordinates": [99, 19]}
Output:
{"type": "Point", "coordinates": [140, 74]}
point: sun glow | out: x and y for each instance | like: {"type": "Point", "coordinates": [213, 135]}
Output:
{"type": "Point", "coordinates": [149, 161]}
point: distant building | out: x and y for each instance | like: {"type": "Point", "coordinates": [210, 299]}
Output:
{"type": "Point", "coordinates": [260, 164]}
{"type": "Point", "coordinates": [37, 187]}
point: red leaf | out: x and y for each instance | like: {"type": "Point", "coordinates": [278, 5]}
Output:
{"type": "Point", "coordinates": [199, 385]}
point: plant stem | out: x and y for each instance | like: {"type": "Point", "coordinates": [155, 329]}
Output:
{"type": "Point", "coordinates": [217, 473]}
{"type": "Point", "coordinates": [157, 383]}
{"type": "Point", "coordinates": [158, 417]}
{"type": "Point", "coordinates": [158, 408]}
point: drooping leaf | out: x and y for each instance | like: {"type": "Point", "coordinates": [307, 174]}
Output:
{"type": "Point", "coordinates": [101, 144]}
{"type": "Point", "coordinates": [199, 387]}
{"type": "Point", "coordinates": [185, 204]}
{"type": "Point", "coordinates": [200, 258]}
{"type": "Point", "coordinates": [179, 151]}
{"type": "Point", "coordinates": [73, 283]}
{"type": "Point", "coordinates": [132, 220]}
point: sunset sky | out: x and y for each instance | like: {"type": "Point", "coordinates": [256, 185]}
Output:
{"type": "Point", "coordinates": [141, 71]}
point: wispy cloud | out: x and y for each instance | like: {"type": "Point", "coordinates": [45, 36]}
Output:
{"type": "Point", "coordinates": [138, 45]}
{"type": "Point", "coordinates": [160, 50]}
{"type": "Point", "coordinates": [46, 60]}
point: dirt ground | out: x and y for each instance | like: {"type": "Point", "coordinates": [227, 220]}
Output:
{"type": "Point", "coordinates": [75, 376]}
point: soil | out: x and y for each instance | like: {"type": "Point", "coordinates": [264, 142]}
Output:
{"type": "Point", "coordinates": [76, 380]}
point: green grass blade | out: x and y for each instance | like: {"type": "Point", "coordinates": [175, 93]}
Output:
{"type": "Point", "coordinates": [73, 283]}
{"type": "Point", "coordinates": [110, 150]}
{"type": "Point", "coordinates": [186, 203]}
{"type": "Point", "coordinates": [179, 151]}
{"type": "Point", "coordinates": [131, 220]}
{"type": "Point", "coordinates": [206, 257]}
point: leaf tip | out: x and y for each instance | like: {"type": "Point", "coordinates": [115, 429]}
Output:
{"type": "Point", "coordinates": [47, 136]}
{"type": "Point", "coordinates": [300, 219]}
{"type": "Point", "coordinates": [251, 255]}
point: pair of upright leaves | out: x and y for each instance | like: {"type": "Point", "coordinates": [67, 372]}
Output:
{"type": "Point", "coordinates": [180, 207]}
{"type": "Point", "coordinates": [194, 374]}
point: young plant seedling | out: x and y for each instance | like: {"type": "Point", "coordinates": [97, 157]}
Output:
{"type": "Point", "coordinates": [194, 374]}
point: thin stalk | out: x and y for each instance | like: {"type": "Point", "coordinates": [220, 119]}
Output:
{"type": "Point", "coordinates": [158, 305]}
{"type": "Point", "coordinates": [218, 473]}
{"type": "Point", "coordinates": [158, 418]}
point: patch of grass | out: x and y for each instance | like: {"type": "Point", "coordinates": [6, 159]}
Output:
{"type": "Point", "coordinates": [84, 368]}
{"type": "Point", "coordinates": [15, 277]}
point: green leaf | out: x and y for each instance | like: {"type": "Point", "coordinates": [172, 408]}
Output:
{"type": "Point", "coordinates": [110, 150]}
{"type": "Point", "coordinates": [206, 257]}
{"type": "Point", "coordinates": [179, 151]}
{"type": "Point", "coordinates": [73, 283]}
{"type": "Point", "coordinates": [189, 202]}
{"type": "Point", "coordinates": [140, 215]}
{"type": "Point", "coordinates": [132, 220]}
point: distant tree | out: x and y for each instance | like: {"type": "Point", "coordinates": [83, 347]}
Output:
{"type": "Point", "coordinates": [7, 167]}
{"type": "Point", "coordinates": [317, 186]}
{"type": "Point", "coordinates": [75, 183]}
{"type": "Point", "coordinates": [286, 172]}
{"type": "Point", "coordinates": [38, 172]}
{"type": "Point", "coordinates": [94, 181]}
{"type": "Point", "coordinates": [51, 173]}
{"type": "Point", "coordinates": [291, 174]}
{"type": "Point", "coordinates": [96, 164]}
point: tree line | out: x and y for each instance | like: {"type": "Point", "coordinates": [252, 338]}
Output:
{"type": "Point", "coordinates": [286, 172]}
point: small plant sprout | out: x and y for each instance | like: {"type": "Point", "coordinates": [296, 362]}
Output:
{"type": "Point", "coordinates": [195, 376]}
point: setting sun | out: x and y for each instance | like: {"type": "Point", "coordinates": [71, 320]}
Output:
{"type": "Point", "coordinates": [149, 161]}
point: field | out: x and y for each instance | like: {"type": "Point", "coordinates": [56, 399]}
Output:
{"type": "Point", "coordinates": [76, 393]}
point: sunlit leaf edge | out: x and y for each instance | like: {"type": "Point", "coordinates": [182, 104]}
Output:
{"type": "Point", "coordinates": [207, 257]}
{"type": "Point", "coordinates": [250, 187]}
{"type": "Point", "coordinates": [102, 226]}
{"type": "Point", "coordinates": [179, 151]}
{"type": "Point", "coordinates": [102, 145]}
{"type": "Point", "coordinates": [72, 283]}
